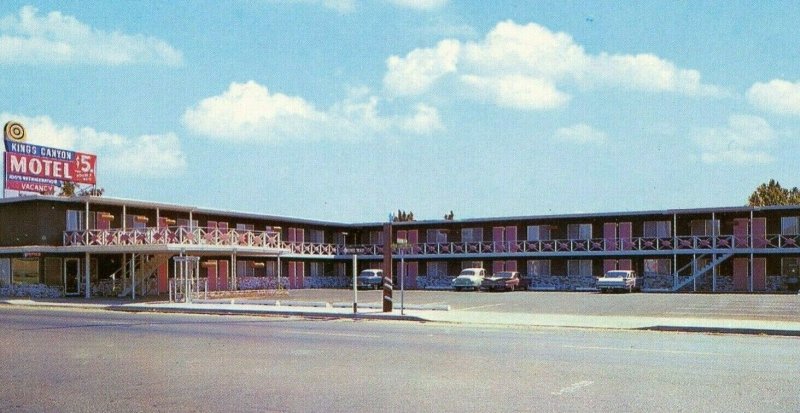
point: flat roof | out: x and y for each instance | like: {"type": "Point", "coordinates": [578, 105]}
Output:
{"type": "Point", "coordinates": [102, 200]}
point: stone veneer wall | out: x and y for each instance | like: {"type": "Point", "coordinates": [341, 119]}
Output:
{"type": "Point", "coordinates": [31, 290]}
{"type": "Point", "coordinates": [434, 282]}
{"type": "Point", "coordinates": [775, 283]}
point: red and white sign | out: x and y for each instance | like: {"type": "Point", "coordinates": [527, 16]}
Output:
{"type": "Point", "coordinates": [78, 170]}
{"type": "Point", "coordinates": [29, 186]}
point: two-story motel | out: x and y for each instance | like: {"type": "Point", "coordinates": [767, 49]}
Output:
{"type": "Point", "coordinates": [92, 246]}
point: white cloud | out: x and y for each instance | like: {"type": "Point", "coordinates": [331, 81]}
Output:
{"type": "Point", "coordinates": [581, 133]}
{"type": "Point", "coordinates": [414, 73]}
{"type": "Point", "coordinates": [744, 140]}
{"type": "Point", "coordinates": [517, 92]}
{"type": "Point", "coordinates": [145, 155]}
{"type": "Point", "coordinates": [249, 112]}
{"type": "Point", "coordinates": [30, 38]}
{"type": "Point", "coordinates": [423, 122]}
{"type": "Point", "coordinates": [650, 73]}
{"type": "Point", "coordinates": [546, 63]}
{"type": "Point", "coordinates": [423, 5]}
{"type": "Point", "coordinates": [530, 50]}
{"type": "Point", "coordinates": [778, 96]}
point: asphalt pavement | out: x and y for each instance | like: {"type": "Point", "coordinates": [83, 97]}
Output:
{"type": "Point", "coordinates": [762, 314]}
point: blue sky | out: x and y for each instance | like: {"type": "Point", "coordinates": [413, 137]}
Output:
{"type": "Point", "coordinates": [347, 110]}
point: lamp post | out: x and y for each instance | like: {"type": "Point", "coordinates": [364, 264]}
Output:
{"type": "Point", "coordinates": [355, 272]}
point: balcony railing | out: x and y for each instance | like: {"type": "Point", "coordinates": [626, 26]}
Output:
{"type": "Point", "coordinates": [270, 239]}
{"type": "Point", "coordinates": [174, 235]}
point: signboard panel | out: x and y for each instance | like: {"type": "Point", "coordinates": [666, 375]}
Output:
{"type": "Point", "coordinates": [50, 163]}
{"type": "Point", "coordinates": [29, 186]}
{"type": "Point", "coordinates": [35, 168]}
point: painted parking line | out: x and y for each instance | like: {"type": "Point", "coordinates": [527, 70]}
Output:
{"type": "Point", "coordinates": [479, 306]}
{"type": "Point", "coordinates": [621, 350]}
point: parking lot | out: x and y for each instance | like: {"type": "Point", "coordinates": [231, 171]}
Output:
{"type": "Point", "coordinates": [779, 307]}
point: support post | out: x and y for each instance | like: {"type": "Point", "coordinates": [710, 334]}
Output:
{"type": "Point", "coordinates": [133, 276]}
{"type": "Point", "coordinates": [387, 268]}
{"type": "Point", "coordinates": [87, 276]}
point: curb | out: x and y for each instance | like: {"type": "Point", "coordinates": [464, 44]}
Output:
{"type": "Point", "coordinates": [723, 330]}
{"type": "Point", "coordinates": [248, 312]}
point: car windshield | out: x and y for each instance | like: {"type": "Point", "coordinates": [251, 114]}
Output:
{"type": "Point", "coordinates": [504, 274]}
{"type": "Point", "coordinates": [616, 274]}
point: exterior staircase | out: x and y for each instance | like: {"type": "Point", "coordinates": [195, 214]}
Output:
{"type": "Point", "coordinates": [699, 272]}
{"type": "Point", "coordinates": [145, 268]}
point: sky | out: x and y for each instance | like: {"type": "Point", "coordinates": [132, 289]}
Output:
{"type": "Point", "coordinates": [348, 110]}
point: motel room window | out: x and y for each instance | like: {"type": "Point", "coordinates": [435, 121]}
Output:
{"type": "Point", "coordinates": [5, 272]}
{"type": "Point", "coordinates": [471, 264]}
{"type": "Point", "coordinates": [376, 237]}
{"type": "Point", "coordinates": [661, 266]}
{"type": "Point", "coordinates": [245, 227]}
{"type": "Point", "coordinates": [436, 269]}
{"type": "Point", "coordinates": [579, 267]}
{"type": "Point", "coordinates": [340, 269]}
{"type": "Point", "coordinates": [472, 235]}
{"type": "Point", "coordinates": [316, 236]}
{"type": "Point", "coordinates": [705, 227]}
{"type": "Point", "coordinates": [538, 232]}
{"type": "Point", "coordinates": [245, 268]}
{"type": "Point", "coordinates": [789, 226]}
{"type": "Point", "coordinates": [76, 222]}
{"type": "Point", "coordinates": [316, 269]}
{"type": "Point", "coordinates": [436, 236]}
{"type": "Point", "coordinates": [185, 223]}
{"type": "Point", "coordinates": [538, 267]}
{"type": "Point", "coordinates": [790, 266]}
{"type": "Point", "coordinates": [25, 271]}
{"type": "Point", "coordinates": [657, 229]}
{"type": "Point", "coordinates": [579, 231]}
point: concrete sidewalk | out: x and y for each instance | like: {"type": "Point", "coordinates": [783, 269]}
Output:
{"type": "Point", "coordinates": [439, 315]}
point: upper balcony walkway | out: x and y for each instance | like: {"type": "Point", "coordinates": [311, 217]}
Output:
{"type": "Point", "coordinates": [108, 240]}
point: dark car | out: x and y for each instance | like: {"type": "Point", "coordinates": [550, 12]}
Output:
{"type": "Point", "coordinates": [502, 281]}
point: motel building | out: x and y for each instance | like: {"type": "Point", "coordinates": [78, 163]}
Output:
{"type": "Point", "coordinates": [94, 246]}
{"type": "Point", "coordinates": [98, 246]}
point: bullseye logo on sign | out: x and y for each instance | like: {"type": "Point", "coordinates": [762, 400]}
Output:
{"type": "Point", "coordinates": [13, 131]}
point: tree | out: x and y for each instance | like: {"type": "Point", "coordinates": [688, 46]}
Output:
{"type": "Point", "coordinates": [403, 216]}
{"type": "Point", "coordinates": [67, 189]}
{"type": "Point", "coordinates": [772, 193]}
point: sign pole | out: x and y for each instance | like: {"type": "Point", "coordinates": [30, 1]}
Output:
{"type": "Point", "coordinates": [355, 283]}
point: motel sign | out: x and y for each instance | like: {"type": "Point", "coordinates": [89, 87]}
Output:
{"type": "Point", "coordinates": [36, 168]}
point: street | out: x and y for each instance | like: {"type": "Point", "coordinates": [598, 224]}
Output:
{"type": "Point", "coordinates": [84, 360]}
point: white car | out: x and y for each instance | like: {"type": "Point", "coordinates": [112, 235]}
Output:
{"type": "Point", "coordinates": [619, 280]}
{"type": "Point", "coordinates": [372, 279]}
{"type": "Point", "coordinates": [470, 278]}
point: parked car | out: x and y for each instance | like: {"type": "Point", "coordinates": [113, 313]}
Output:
{"type": "Point", "coordinates": [619, 280]}
{"type": "Point", "coordinates": [470, 278]}
{"type": "Point", "coordinates": [502, 281]}
{"type": "Point", "coordinates": [371, 279]}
